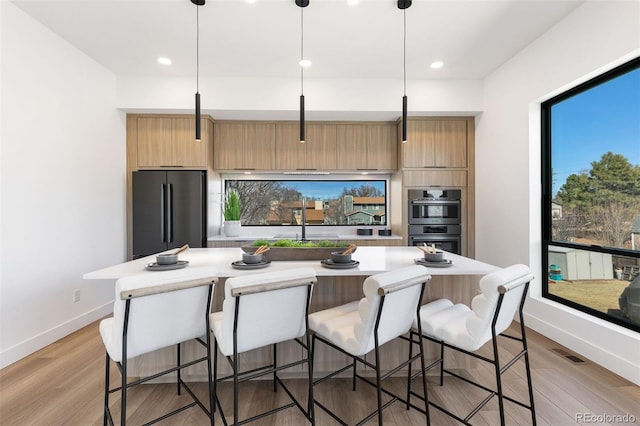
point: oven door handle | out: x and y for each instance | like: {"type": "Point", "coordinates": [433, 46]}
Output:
{"type": "Point", "coordinates": [427, 202]}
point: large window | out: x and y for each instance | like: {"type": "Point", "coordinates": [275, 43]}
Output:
{"type": "Point", "coordinates": [326, 202]}
{"type": "Point", "coordinates": [591, 196]}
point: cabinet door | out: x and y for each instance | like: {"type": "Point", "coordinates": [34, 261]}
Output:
{"type": "Point", "coordinates": [187, 151]}
{"type": "Point", "coordinates": [450, 148]}
{"type": "Point", "coordinates": [367, 147]}
{"type": "Point", "coordinates": [244, 146]}
{"type": "Point", "coordinates": [290, 153]}
{"type": "Point", "coordinates": [352, 147]}
{"type": "Point", "coordinates": [418, 151]}
{"type": "Point", "coordinates": [321, 146]}
{"type": "Point", "coordinates": [155, 142]}
{"type": "Point", "coordinates": [382, 147]}
{"type": "Point", "coordinates": [229, 141]}
{"type": "Point", "coordinates": [260, 146]}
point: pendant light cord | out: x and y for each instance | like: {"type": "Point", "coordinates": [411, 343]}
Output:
{"type": "Point", "coordinates": [301, 50]}
{"type": "Point", "coordinates": [404, 50]}
{"type": "Point", "coordinates": [197, 48]}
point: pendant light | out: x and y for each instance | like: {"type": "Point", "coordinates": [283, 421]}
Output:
{"type": "Point", "coordinates": [198, 3]}
{"type": "Point", "coordinates": [404, 5]}
{"type": "Point", "coordinates": [302, 4]}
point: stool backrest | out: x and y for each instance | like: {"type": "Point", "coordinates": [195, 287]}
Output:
{"type": "Point", "coordinates": [399, 309]}
{"type": "Point", "coordinates": [511, 283]}
{"type": "Point", "coordinates": [165, 309]}
{"type": "Point", "coordinates": [273, 307]}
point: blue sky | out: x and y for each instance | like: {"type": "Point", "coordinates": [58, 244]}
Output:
{"type": "Point", "coordinates": [328, 189]}
{"type": "Point", "coordinates": [588, 125]}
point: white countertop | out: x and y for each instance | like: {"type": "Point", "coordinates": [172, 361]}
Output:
{"type": "Point", "coordinates": [372, 260]}
{"type": "Point", "coordinates": [337, 237]}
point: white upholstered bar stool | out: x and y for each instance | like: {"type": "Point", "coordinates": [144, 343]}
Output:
{"type": "Point", "coordinates": [392, 301]}
{"type": "Point", "coordinates": [262, 310]}
{"type": "Point", "coordinates": [466, 330]}
{"type": "Point", "coordinates": [155, 310]}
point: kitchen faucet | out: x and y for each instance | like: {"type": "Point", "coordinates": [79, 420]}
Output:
{"type": "Point", "coordinates": [304, 218]}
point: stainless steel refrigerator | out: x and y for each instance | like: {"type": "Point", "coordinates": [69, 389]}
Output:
{"type": "Point", "coordinates": [169, 210]}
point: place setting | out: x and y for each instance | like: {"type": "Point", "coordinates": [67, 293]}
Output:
{"type": "Point", "coordinates": [432, 257]}
{"type": "Point", "coordinates": [253, 260]}
{"type": "Point", "coordinates": [341, 260]}
{"type": "Point", "coordinates": [168, 261]}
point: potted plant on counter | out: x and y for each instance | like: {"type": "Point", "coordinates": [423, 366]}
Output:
{"type": "Point", "coordinates": [232, 210]}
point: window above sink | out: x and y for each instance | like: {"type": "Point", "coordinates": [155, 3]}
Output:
{"type": "Point", "coordinates": [329, 202]}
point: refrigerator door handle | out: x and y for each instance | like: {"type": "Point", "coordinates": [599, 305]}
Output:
{"type": "Point", "coordinates": [170, 214]}
{"type": "Point", "coordinates": [163, 236]}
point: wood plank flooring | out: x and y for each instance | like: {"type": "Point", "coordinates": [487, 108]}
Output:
{"type": "Point", "coordinates": [62, 384]}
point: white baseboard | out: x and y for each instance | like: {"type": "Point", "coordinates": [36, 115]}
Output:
{"type": "Point", "coordinates": [35, 343]}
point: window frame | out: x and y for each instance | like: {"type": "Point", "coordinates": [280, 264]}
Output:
{"type": "Point", "coordinates": [547, 193]}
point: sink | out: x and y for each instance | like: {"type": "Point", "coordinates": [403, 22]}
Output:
{"type": "Point", "coordinates": [309, 236]}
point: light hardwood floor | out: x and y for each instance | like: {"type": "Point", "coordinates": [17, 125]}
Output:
{"type": "Point", "coordinates": [62, 384]}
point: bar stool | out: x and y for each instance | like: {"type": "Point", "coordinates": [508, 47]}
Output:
{"type": "Point", "coordinates": [392, 301]}
{"type": "Point", "coordinates": [465, 329]}
{"type": "Point", "coordinates": [261, 310]}
{"type": "Point", "coordinates": [153, 311]}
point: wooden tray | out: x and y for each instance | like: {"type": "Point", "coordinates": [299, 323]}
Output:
{"type": "Point", "coordinates": [296, 253]}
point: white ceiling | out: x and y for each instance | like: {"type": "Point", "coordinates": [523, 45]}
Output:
{"type": "Point", "coordinates": [472, 37]}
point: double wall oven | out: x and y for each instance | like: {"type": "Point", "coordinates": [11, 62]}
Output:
{"type": "Point", "coordinates": [435, 217]}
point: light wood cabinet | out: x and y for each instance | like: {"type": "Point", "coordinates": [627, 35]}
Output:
{"type": "Point", "coordinates": [317, 153]}
{"type": "Point", "coordinates": [367, 147]}
{"type": "Point", "coordinates": [170, 142]}
{"type": "Point", "coordinates": [244, 146]}
{"type": "Point", "coordinates": [436, 142]}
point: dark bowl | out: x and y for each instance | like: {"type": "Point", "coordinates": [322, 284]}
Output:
{"type": "Point", "coordinates": [438, 256]}
{"type": "Point", "coordinates": [338, 257]}
{"type": "Point", "coordinates": [167, 259]}
{"type": "Point", "coordinates": [250, 258]}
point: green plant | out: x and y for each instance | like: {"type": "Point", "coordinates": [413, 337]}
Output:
{"type": "Point", "coordinates": [232, 205]}
{"type": "Point", "coordinates": [299, 244]}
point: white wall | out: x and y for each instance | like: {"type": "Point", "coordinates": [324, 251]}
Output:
{"type": "Point", "coordinates": [278, 99]}
{"type": "Point", "coordinates": [63, 185]}
{"type": "Point", "coordinates": [595, 37]}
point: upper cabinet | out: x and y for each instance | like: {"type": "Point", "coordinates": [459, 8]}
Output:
{"type": "Point", "coordinates": [165, 141]}
{"type": "Point", "coordinates": [436, 142]}
{"type": "Point", "coordinates": [243, 145]}
{"type": "Point", "coordinates": [317, 153]}
{"type": "Point", "coordinates": [367, 147]}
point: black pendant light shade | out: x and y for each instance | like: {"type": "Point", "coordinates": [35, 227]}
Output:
{"type": "Point", "coordinates": [198, 129]}
{"type": "Point", "coordinates": [404, 119]}
{"type": "Point", "coordinates": [302, 124]}
{"type": "Point", "coordinates": [198, 121]}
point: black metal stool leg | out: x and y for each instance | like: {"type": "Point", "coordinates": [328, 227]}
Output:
{"type": "Point", "coordinates": [177, 365]}
{"type": "Point", "coordinates": [106, 388]}
{"type": "Point", "coordinates": [275, 374]}
{"type": "Point", "coordinates": [123, 394]}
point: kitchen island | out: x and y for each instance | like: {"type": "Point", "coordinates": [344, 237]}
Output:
{"type": "Point", "coordinates": [457, 282]}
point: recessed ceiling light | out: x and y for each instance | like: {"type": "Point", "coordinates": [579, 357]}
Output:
{"type": "Point", "coordinates": [436, 65]}
{"type": "Point", "coordinates": [305, 63]}
{"type": "Point", "coordinates": [164, 61]}
{"type": "Point", "coordinates": [353, 2]}
{"type": "Point", "coordinates": [251, 1]}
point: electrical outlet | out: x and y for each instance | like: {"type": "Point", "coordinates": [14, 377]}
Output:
{"type": "Point", "coordinates": [76, 295]}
